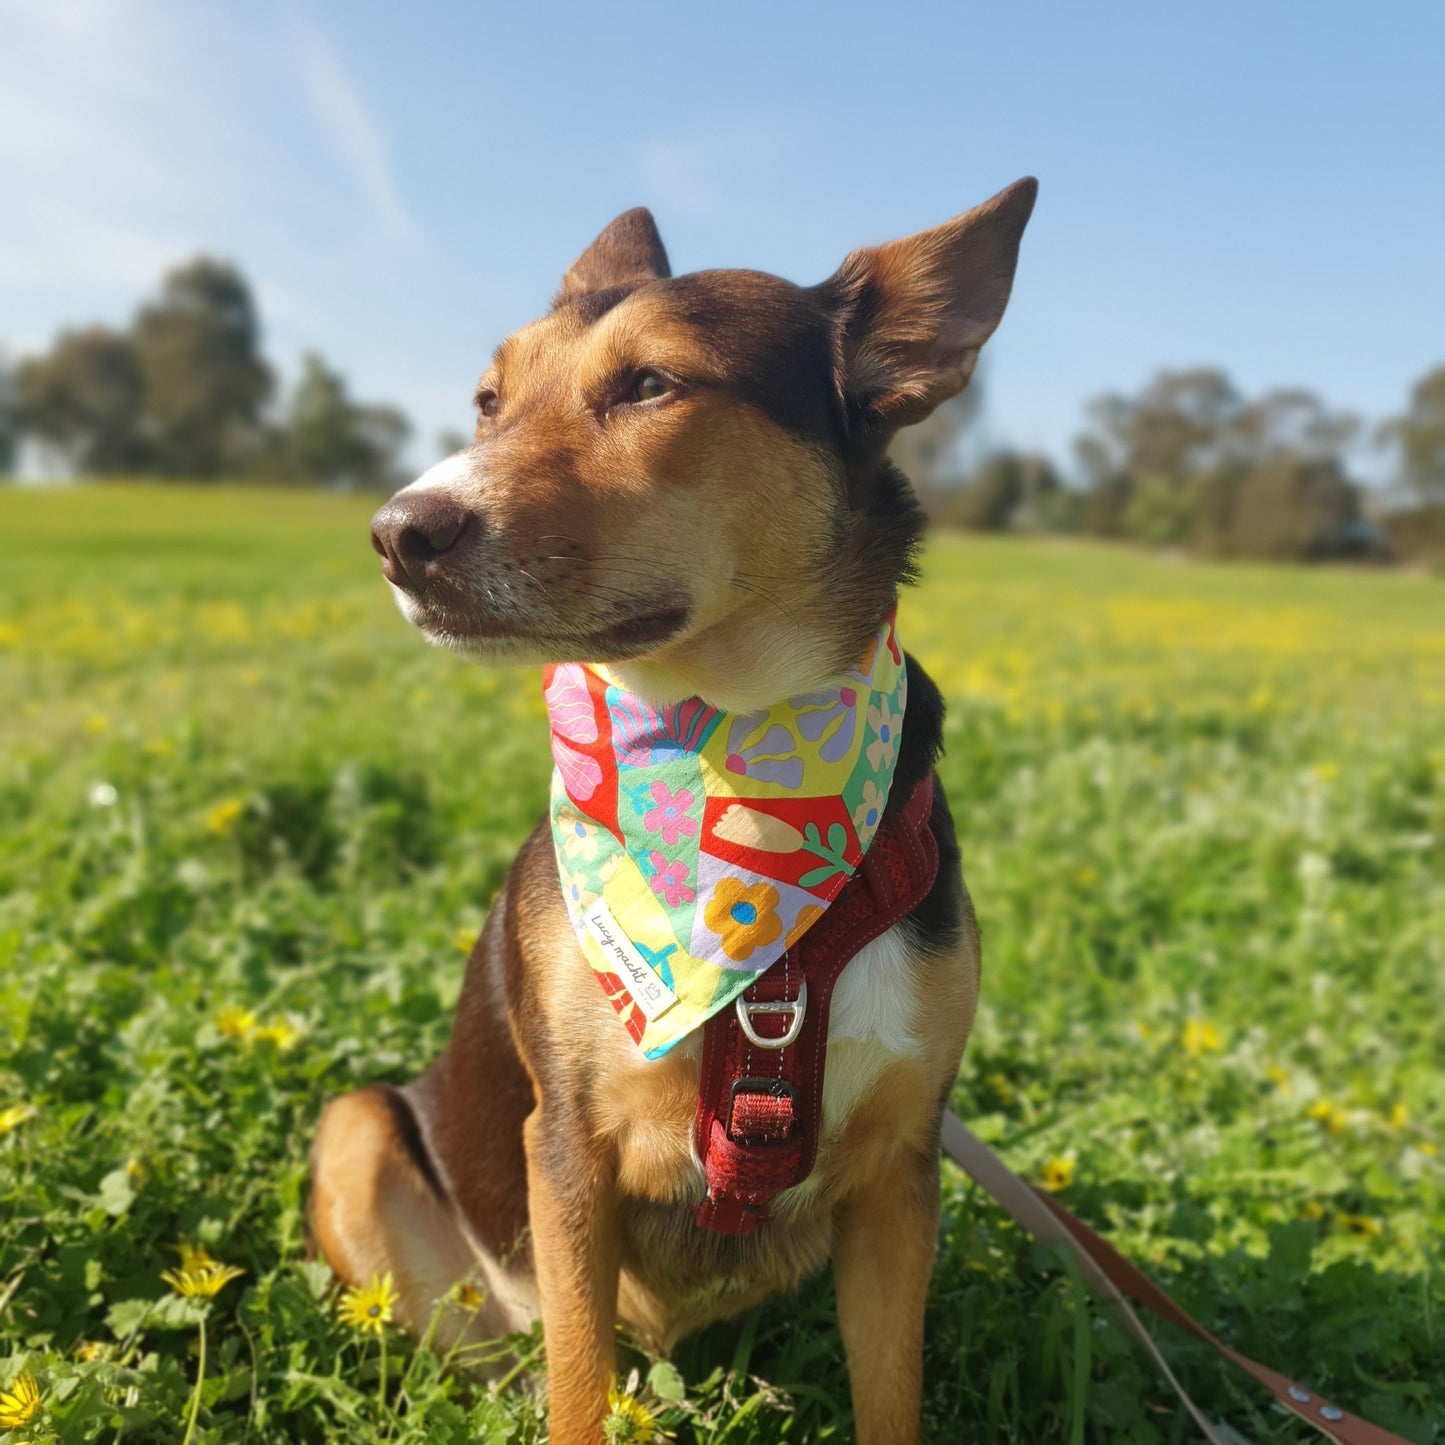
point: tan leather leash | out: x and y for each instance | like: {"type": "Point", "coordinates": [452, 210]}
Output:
{"type": "Point", "coordinates": [1115, 1278]}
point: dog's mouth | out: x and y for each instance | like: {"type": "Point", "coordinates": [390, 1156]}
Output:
{"type": "Point", "coordinates": [628, 630]}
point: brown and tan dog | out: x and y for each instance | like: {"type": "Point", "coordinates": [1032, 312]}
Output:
{"type": "Point", "coordinates": [686, 478]}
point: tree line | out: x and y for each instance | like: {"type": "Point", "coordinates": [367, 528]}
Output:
{"type": "Point", "coordinates": [184, 392]}
{"type": "Point", "coordinates": [1191, 462]}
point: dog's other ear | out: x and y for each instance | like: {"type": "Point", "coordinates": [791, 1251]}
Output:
{"type": "Point", "coordinates": [628, 250]}
{"type": "Point", "coordinates": [915, 313]}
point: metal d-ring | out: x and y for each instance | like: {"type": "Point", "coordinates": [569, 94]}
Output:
{"type": "Point", "coordinates": [798, 1007]}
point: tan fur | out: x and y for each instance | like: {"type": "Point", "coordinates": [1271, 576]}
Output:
{"type": "Point", "coordinates": [736, 534]}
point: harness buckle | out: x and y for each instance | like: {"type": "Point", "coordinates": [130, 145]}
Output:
{"type": "Point", "coordinates": [798, 1007]}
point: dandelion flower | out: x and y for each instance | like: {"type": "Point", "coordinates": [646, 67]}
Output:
{"type": "Point", "coordinates": [1334, 1118]}
{"type": "Point", "coordinates": [205, 1281]}
{"type": "Point", "coordinates": [222, 819]}
{"type": "Point", "coordinates": [88, 1351]}
{"type": "Point", "coordinates": [1360, 1225]}
{"type": "Point", "coordinates": [194, 1257]}
{"type": "Point", "coordinates": [19, 1402]}
{"type": "Point", "coordinates": [1399, 1116]}
{"type": "Point", "coordinates": [628, 1422]}
{"type": "Point", "coordinates": [369, 1308]}
{"type": "Point", "coordinates": [235, 1022]}
{"type": "Point", "coordinates": [1312, 1210]}
{"type": "Point", "coordinates": [1327, 772]}
{"type": "Point", "coordinates": [468, 1296]}
{"type": "Point", "coordinates": [1057, 1174]}
{"type": "Point", "coordinates": [1201, 1038]}
{"type": "Point", "coordinates": [14, 1117]}
{"type": "Point", "coordinates": [1280, 1077]}
{"type": "Point", "coordinates": [282, 1034]}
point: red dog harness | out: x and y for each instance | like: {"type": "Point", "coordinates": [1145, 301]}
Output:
{"type": "Point", "coordinates": [759, 1101]}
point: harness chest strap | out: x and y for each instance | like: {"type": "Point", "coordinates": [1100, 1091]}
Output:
{"type": "Point", "coordinates": [759, 1103]}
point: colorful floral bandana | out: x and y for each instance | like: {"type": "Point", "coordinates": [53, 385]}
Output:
{"type": "Point", "coordinates": [695, 846]}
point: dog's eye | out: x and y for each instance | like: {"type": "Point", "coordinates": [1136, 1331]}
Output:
{"type": "Point", "coordinates": [648, 386]}
{"type": "Point", "coordinates": [488, 403]}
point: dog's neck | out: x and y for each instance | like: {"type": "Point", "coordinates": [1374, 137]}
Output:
{"type": "Point", "coordinates": [752, 659]}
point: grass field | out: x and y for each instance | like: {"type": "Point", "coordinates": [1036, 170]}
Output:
{"type": "Point", "coordinates": [249, 825]}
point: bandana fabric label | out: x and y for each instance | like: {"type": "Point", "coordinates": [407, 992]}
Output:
{"type": "Point", "coordinates": [695, 846]}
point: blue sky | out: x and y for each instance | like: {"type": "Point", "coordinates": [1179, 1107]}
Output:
{"type": "Point", "coordinates": [1257, 185]}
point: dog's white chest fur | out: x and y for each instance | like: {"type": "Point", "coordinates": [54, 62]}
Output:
{"type": "Point", "coordinates": [875, 1004]}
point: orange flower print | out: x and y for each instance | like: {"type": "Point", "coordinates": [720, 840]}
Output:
{"type": "Point", "coordinates": [745, 915]}
{"type": "Point", "coordinates": [808, 915]}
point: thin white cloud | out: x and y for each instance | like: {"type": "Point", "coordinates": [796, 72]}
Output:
{"type": "Point", "coordinates": [713, 172]}
{"type": "Point", "coordinates": [346, 122]}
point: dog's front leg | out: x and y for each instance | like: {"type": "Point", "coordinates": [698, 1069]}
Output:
{"type": "Point", "coordinates": [883, 1246]}
{"type": "Point", "coordinates": [572, 1201]}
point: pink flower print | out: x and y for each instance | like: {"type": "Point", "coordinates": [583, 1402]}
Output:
{"type": "Point", "coordinates": [668, 816]}
{"type": "Point", "coordinates": [569, 707]}
{"type": "Point", "coordinates": [669, 880]}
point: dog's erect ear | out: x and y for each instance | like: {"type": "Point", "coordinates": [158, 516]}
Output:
{"type": "Point", "coordinates": [915, 313]}
{"type": "Point", "coordinates": [628, 250]}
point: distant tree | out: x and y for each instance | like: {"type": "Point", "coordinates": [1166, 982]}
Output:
{"type": "Point", "coordinates": [1419, 435]}
{"type": "Point", "coordinates": [1008, 490]}
{"type": "Point", "coordinates": [1182, 423]}
{"type": "Point", "coordinates": [1190, 462]}
{"type": "Point", "coordinates": [85, 399]}
{"type": "Point", "coordinates": [9, 417]}
{"type": "Point", "coordinates": [1292, 422]}
{"type": "Point", "coordinates": [929, 453]}
{"type": "Point", "coordinates": [1292, 508]}
{"type": "Point", "coordinates": [205, 380]}
{"type": "Point", "coordinates": [333, 440]}
{"type": "Point", "coordinates": [383, 431]}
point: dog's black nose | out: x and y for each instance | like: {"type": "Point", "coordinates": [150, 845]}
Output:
{"type": "Point", "coordinates": [413, 531]}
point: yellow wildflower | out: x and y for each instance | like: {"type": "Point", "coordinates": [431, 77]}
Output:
{"type": "Point", "coordinates": [222, 819]}
{"type": "Point", "coordinates": [282, 1034]}
{"type": "Point", "coordinates": [370, 1308]}
{"type": "Point", "coordinates": [194, 1257]}
{"type": "Point", "coordinates": [464, 938]}
{"type": "Point", "coordinates": [1334, 1118]}
{"type": "Point", "coordinates": [1145, 1031]}
{"type": "Point", "coordinates": [1361, 1225]}
{"type": "Point", "coordinates": [1399, 1116]}
{"type": "Point", "coordinates": [1201, 1038]}
{"type": "Point", "coordinates": [19, 1401]}
{"type": "Point", "coordinates": [203, 1282]}
{"type": "Point", "coordinates": [1280, 1077]}
{"type": "Point", "coordinates": [235, 1022]}
{"type": "Point", "coordinates": [14, 1117]}
{"type": "Point", "coordinates": [10, 635]}
{"type": "Point", "coordinates": [1326, 772]}
{"type": "Point", "coordinates": [88, 1351]}
{"type": "Point", "coordinates": [1312, 1210]}
{"type": "Point", "coordinates": [1086, 876]}
{"type": "Point", "coordinates": [97, 723]}
{"type": "Point", "coordinates": [468, 1296]}
{"type": "Point", "coordinates": [1057, 1174]}
{"type": "Point", "coordinates": [628, 1421]}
